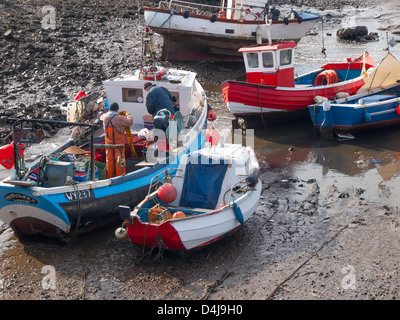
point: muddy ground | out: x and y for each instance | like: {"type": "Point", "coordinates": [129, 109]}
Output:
{"type": "Point", "coordinates": [308, 240]}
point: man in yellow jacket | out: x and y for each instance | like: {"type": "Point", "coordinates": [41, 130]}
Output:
{"type": "Point", "coordinates": [114, 128]}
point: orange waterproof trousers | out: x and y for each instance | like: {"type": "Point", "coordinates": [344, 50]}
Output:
{"type": "Point", "coordinates": [113, 167]}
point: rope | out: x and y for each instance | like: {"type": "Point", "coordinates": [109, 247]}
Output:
{"type": "Point", "coordinates": [172, 12]}
{"type": "Point", "coordinates": [161, 248]}
{"type": "Point", "coordinates": [259, 102]}
{"type": "Point", "coordinates": [323, 42]}
{"type": "Point", "coordinates": [153, 17]}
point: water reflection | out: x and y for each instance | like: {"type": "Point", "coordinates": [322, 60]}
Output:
{"type": "Point", "coordinates": [296, 142]}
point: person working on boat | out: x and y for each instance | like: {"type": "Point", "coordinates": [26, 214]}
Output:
{"type": "Point", "coordinates": [158, 98]}
{"type": "Point", "coordinates": [114, 125]}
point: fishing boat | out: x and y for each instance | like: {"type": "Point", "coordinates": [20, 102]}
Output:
{"type": "Point", "coordinates": [375, 105]}
{"type": "Point", "coordinates": [189, 33]}
{"type": "Point", "coordinates": [65, 192]}
{"type": "Point", "coordinates": [273, 93]}
{"type": "Point", "coordinates": [213, 192]}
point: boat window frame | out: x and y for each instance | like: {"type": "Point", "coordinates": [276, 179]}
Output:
{"type": "Point", "coordinates": [284, 64]}
{"type": "Point", "coordinates": [258, 60]}
{"type": "Point", "coordinates": [263, 54]}
{"type": "Point", "coordinates": [125, 95]}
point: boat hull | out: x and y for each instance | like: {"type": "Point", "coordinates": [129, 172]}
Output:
{"type": "Point", "coordinates": [198, 37]}
{"type": "Point", "coordinates": [193, 233]}
{"type": "Point", "coordinates": [275, 104]}
{"type": "Point", "coordinates": [71, 210]}
{"type": "Point", "coordinates": [351, 118]}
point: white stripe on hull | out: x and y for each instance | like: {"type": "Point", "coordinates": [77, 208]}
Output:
{"type": "Point", "coordinates": [16, 211]}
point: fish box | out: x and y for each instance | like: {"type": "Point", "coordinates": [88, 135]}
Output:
{"type": "Point", "coordinates": [27, 135]}
{"type": "Point", "coordinates": [58, 173]}
{"type": "Point", "coordinates": [148, 121]}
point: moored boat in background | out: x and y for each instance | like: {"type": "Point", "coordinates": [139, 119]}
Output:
{"type": "Point", "coordinates": [191, 34]}
{"type": "Point", "coordinates": [375, 105]}
{"type": "Point", "coordinates": [272, 92]}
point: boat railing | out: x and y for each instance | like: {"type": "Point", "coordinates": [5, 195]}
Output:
{"type": "Point", "coordinates": [162, 177]}
{"type": "Point", "coordinates": [189, 5]}
{"type": "Point", "coordinates": [236, 188]}
{"type": "Point", "coordinates": [19, 121]}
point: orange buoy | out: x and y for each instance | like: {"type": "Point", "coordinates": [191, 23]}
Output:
{"type": "Point", "coordinates": [178, 214]}
{"type": "Point", "coordinates": [167, 193]}
{"type": "Point", "coordinates": [211, 115]}
{"type": "Point", "coordinates": [212, 136]}
{"type": "Point", "coordinates": [326, 77]}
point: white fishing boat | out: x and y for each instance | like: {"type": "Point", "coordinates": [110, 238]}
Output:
{"type": "Point", "coordinates": [212, 193]}
{"type": "Point", "coordinates": [191, 34]}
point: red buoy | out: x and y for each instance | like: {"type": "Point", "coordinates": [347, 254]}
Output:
{"type": "Point", "coordinates": [211, 115]}
{"type": "Point", "coordinates": [398, 110]}
{"type": "Point", "coordinates": [212, 136]}
{"type": "Point", "coordinates": [167, 193]}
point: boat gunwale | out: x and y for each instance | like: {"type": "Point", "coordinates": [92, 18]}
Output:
{"type": "Point", "coordinates": [231, 21]}
{"type": "Point", "coordinates": [209, 212]}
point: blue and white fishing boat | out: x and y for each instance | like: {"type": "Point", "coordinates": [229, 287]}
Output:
{"type": "Point", "coordinates": [59, 203]}
{"type": "Point", "coordinates": [376, 103]}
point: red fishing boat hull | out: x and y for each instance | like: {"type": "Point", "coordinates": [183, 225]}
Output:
{"type": "Point", "coordinates": [274, 94]}
{"type": "Point", "coordinates": [247, 100]}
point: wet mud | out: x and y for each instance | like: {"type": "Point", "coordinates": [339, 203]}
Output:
{"type": "Point", "coordinates": [327, 226]}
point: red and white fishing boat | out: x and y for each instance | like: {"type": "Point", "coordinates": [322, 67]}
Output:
{"type": "Point", "coordinates": [273, 93]}
{"type": "Point", "coordinates": [212, 193]}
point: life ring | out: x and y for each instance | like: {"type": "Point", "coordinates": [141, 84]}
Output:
{"type": "Point", "coordinates": [152, 73]}
{"type": "Point", "coordinates": [326, 77]}
{"type": "Point", "coordinates": [221, 14]}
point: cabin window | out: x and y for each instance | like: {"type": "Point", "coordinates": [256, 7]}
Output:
{"type": "Point", "coordinates": [175, 99]}
{"type": "Point", "coordinates": [252, 60]}
{"type": "Point", "coordinates": [268, 60]}
{"type": "Point", "coordinates": [286, 57]}
{"type": "Point", "coordinates": [132, 95]}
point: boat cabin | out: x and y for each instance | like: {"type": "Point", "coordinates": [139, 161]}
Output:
{"type": "Point", "coordinates": [128, 91]}
{"type": "Point", "coordinates": [244, 9]}
{"type": "Point", "coordinates": [270, 64]}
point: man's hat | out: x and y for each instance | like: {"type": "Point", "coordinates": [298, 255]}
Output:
{"type": "Point", "coordinates": [147, 84]}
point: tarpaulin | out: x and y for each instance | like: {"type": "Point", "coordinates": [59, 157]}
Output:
{"type": "Point", "coordinates": [202, 185]}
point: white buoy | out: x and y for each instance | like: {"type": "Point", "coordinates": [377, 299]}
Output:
{"type": "Point", "coordinates": [121, 233]}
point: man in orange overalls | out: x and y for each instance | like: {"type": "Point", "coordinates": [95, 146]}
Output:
{"type": "Point", "coordinates": [114, 128]}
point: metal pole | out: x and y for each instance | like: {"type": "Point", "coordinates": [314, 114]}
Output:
{"type": "Point", "coordinates": [92, 166]}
